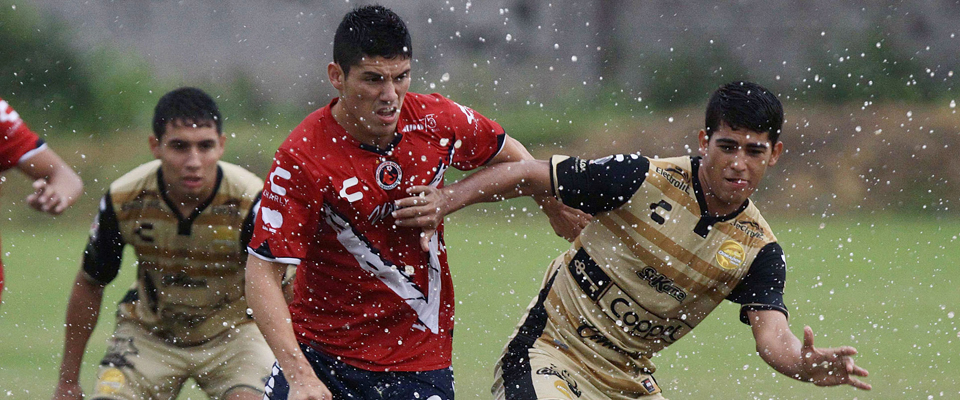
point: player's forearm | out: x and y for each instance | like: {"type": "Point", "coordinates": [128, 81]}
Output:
{"type": "Point", "coordinates": [782, 353]}
{"type": "Point", "coordinates": [499, 182]}
{"type": "Point", "coordinates": [83, 311]}
{"type": "Point", "coordinates": [265, 297]}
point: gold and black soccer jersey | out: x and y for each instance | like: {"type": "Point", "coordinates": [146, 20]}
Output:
{"type": "Point", "coordinates": [190, 276]}
{"type": "Point", "coordinates": [651, 265]}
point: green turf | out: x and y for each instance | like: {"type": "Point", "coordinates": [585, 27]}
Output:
{"type": "Point", "coordinates": [884, 285]}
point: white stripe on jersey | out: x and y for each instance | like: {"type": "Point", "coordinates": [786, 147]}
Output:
{"type": "Point", "coordinates": [427, 306]}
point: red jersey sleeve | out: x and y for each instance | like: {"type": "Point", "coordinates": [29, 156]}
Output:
{"type": "Point", "coordinates": [477, 138]}
{"type": "Point", "coordinates": [289, 216]}
{"type": "Point", "coordinates": [17, 142]}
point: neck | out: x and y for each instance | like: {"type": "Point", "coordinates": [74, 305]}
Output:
{"type": "Point", "coordinates": [354, 128]}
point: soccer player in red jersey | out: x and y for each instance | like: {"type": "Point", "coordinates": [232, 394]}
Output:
{"type": "Point", "coordinates": [56, 186]}
{"type": "Point", "coordinates": [372, 313]}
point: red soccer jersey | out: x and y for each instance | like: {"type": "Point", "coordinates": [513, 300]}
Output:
{"type": "Point", "coordinates": [17, 142]}
{"type": "Point", "coordinates": [365, 291]}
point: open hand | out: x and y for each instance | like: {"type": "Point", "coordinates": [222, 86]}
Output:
{"type": "Point", "coordinates": [48, 198]}
{"type": "Point", "coordinates": [832, 366]}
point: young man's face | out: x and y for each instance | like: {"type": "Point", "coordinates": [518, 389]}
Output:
{"type": "Point", "coordinates": [733, 163]}
{"type": "Point", "coordinates": [371, 96]}
{"type": "Point", "coordinates": [188, 158]}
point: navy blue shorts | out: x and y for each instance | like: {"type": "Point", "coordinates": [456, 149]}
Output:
{"type": "Point", "coordinates": [347, 382]}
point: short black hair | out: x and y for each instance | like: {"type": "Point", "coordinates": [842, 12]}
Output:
{"type": "Point", "coordinates": [186, 106]}
{"type": "Point", "coordinates": [745, 105]}
{"type": "Point", "coordinates": [370, 31]}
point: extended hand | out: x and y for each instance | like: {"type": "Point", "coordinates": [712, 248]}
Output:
{"type": "Point", "coordinates": [424, 209]}
{"type": "Point", "coordinates": [48, 198]}
{"type": "Point", "coordinates": [830, 367]}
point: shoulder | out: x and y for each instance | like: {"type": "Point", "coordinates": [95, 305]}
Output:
{"type": "Point", "coordinates": [239, 180]}
{"type": "Point", "coordinates": [133, 183]}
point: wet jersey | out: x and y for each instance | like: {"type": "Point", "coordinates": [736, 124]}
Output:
{"type": "Point", "coordinates": [365, 292]}
{"type": "Point", "coordinates": [652, 264]}
{"type": "Point", "coordinates": [17, 142]}
{"type": "Point", "coordinates": [190, 269]}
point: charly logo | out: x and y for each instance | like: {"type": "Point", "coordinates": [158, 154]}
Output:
{"type": "Point", "coordinates": [730, 255]}
{"type": "Point", "coordinates": [389, 174]}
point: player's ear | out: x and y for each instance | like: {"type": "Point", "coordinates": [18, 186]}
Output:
{"type": "Point", "coordinates": [703, 140]}
{"type": "Point", "coordinates": [775, 153]}
{"type": "Point", "coordinates": [336, 76]}
{"type": "Point", "coordinates": [154, 146]}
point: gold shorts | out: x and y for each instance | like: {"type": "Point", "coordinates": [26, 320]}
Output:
{"type": "Point", "coordinates": [138, 365]}
{"type": "Point", "coordinates": [542, 371]}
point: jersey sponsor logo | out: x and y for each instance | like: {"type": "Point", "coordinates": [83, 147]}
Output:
{"type": "Point", "coordinates": [591, 333]}
{"type": "Point", "coordinates": [389, 175]}
{"type": "Point", "coordinates": [565, 379]}
{"type": "Point", "coordinates": [347, 184]}
{"type": "Point", "coordinates": [730, 255]}
{"type": "Point", "coordinates": [662, 284]}
{"type": "Point", "coordinates": [630, 317]}
{"type": "Point", "coordinates": [144, 232]}
{"type": "Point", "coordinates": [588, 275]}
{"type": "Point", "coordinates": [382, 211]}
{"type": "Point", "coordinates": [275, 187]}
{"type": "Point", "coordinates": [649, 385]}
{"type": "Point", "coordinates": [471, 117]}
{"type": "Point", "coordinates": [110, 382]}
{"type": "Point", "coordinates": [272, 220]}
{"type": "Point", "coordinates": [677, 177]}
{"type": "Point", "coordinates": [752, 229]}
{"type": "Point", "coordinates": [7, 113]}
{"type": "Point", "coordinates": [428, 122]}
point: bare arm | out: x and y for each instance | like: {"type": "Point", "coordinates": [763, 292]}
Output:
{"type": "Point", "coordinates": [567, 222]}
{"type": "Point", "coordinates": [427, 206]}
{"type": "Point", "coordinates": [56, 186]}
{"type": "Point", "coordinates": [83, 311]}
{"type": "Point", "coordinates": [802, 361]}
{"type": "Point", "coordinates": [265, 297]}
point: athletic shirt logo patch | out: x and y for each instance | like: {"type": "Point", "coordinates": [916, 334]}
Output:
{"type": "Point", "coordinates": [730, 255]}
{"type": "Point", "coordinates": [389, 175]}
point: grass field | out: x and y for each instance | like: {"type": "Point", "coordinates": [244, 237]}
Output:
{"type": "Point", "coordinates": [886, 285]}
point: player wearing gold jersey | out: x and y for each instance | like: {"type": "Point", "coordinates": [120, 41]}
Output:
{"type": "Point", "coordinates": [670, 240]}
{"type": "Point", "coordinates": [188, 217]}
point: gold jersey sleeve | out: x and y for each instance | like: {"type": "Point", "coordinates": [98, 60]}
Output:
{"type": "Point", "coordinates": [190, 269]}
{"type": "Point", "coordinates": [643, 275]}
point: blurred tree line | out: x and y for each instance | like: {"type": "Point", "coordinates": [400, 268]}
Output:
{"type": "Point", "coordinates": [59, 87]}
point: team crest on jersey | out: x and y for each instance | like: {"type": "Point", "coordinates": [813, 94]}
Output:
{"type": "Point", "coordinates": [111, 381]}
{"type": "Point", "coordinates": [730, 255]}
{"type": "Point", "coordinates": [389, 175]}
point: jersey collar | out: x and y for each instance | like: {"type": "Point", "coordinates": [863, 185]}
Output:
{"type": "Point", "coordinates": [184, 224]}
{"type": "Point", "coordinates": [707, 220]}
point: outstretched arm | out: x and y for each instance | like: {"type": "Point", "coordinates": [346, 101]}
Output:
{"type": "Point", "coordinates": [265, 297]}
{"type": "Point", "coordinates": [83, 311]}
{"type": "Point", "coordinates": [567, 222]}
{"type": "Point", "coordinates": [427, 206]}
{"type": "Point", "coordinates": [55, 187]}
{"type": "Point", "coordinates": [802, 361]}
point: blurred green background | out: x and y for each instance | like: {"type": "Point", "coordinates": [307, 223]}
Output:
{"type": "Point", "coordinates": [864, 200]}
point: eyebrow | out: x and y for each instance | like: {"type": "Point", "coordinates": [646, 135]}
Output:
{"type": "Point", "coordinates": [752, 145]}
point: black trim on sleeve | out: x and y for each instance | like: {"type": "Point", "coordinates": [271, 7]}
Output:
{"type": "Point", "coordinates": [762, 287]}
{"type": "Point", "coordinates": [104, 252]}
{"type": "Point", "coordinates": [600, 185]}
{"type": "Point", "coordinates": [246, 231]}
{"type": "Point", "coordinates": [501, 139]}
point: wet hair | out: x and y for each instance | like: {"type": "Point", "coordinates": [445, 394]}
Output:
{"type": "Point", "coordinates": [370, 31]}
{"type": "Point", "coordinates": [186, 106]}
{"type": "Point", "coordinates": [745, 105]}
